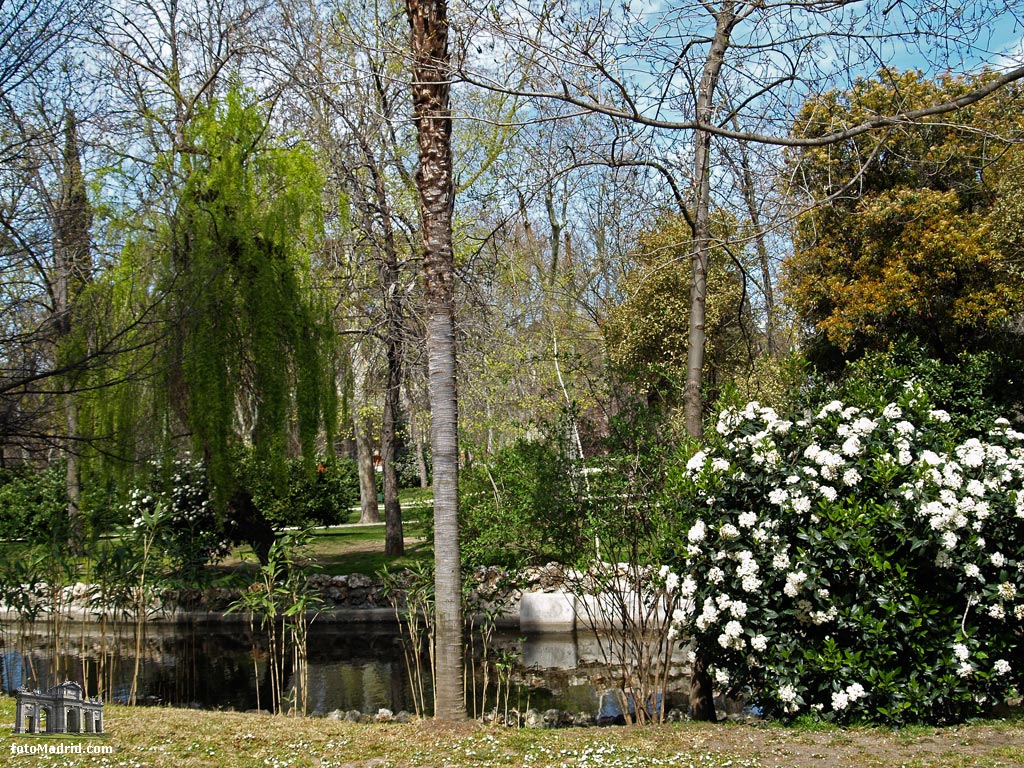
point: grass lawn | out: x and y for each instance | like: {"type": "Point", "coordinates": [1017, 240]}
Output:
{"type": "Point", "coordinates": [178, 737]}
{"type": "Point", "coordinates": [346, 549]}
{"type": "Point", "coordinates": [340, 550]}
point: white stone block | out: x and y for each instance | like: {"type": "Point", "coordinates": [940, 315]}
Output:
{"type": "Point", "coordinates": [546, 612]}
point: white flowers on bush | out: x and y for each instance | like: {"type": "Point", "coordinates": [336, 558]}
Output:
{"type": "Point", "coordinates": [892, 457]}
{"type": "Point", "coordinates": [697, 532]}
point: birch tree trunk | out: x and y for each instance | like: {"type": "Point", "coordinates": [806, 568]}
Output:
{"type": "Point", "coordinates": [431, 66]}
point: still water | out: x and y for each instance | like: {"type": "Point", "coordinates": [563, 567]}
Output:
{"type": "Point", "coordinates": [352, 666]}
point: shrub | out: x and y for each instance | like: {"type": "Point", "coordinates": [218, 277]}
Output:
{"type": "Point", "coordinates": [408, 468]}
{"type": "Point", "coordinates": [33, 504]}
{"type": "Point", "coordinates": [520, 506]}
{"type": "Point", "coordinates": [190, 534]}
{"type": "Point", "coordinates": [317, 495]}
{"type": "Point", "coordinates": [859, 563]}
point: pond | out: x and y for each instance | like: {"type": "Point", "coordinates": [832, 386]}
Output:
{"type": "Point", "coordinates": [352, 666]}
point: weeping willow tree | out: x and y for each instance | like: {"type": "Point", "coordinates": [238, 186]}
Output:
{"type": "Point", "coordinates": [238, 349]}
{"type": "Point", "coordinates": [252, 336]}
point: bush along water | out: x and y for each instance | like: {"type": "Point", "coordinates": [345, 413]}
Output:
{"type": "Point", "coordinates": [855, 563]}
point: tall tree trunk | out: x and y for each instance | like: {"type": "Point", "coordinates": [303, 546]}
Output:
{"type": "Point", "coordinates": [417, 436]}
{"type": "Point", "coordinates": [394, 542]}
{"type": "Point", "coordinates": [431, 67]}
{"type": "Point", "coordinates": [72, 220]}
{"type": "Point", "coordinates": [556, 223]}
{"type": "Point", "coordinates": [701, 700]}
{"type": "Point", "coordinates": [394, 310]}
{"type": "Point", "coordinates": [369, 512]}
{"type": "Point", "coordinates": [761, 246]}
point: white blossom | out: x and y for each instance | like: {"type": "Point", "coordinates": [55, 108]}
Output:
{"type": "Point", "coordinates": [971, 453]}
{"type": "Point", "coordinates": [855, 691]}
{"type": "Point", "coordinates": [696, 462]}
{"type": "Point", "coordinates": [1001, 667]}
{"type": "Point", "coordinates": [733, 629]}
{"type": "Point", "coordinates": [729, 531]}
{"type": "Point", "coordinates": [832, 407]}
{"type": "Point", "coordinates": [794, 582]}
{"type": "Point", "coordinates": [697, 532]}
{"type": "Point", "coordinates": [689, 587]}
{"type": "Point", "coordinates": [852, 446]}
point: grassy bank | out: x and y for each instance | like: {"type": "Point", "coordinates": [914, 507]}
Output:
{"type": "Point", "coordinates": [176, 737]}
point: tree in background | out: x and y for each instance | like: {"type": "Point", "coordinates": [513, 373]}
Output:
{"type": "Point", "coordinates": [647, 334]}
{"type": "Point", "coordinates": [913, 236]}
{"type": "Point", "coordinates": [242, 342]}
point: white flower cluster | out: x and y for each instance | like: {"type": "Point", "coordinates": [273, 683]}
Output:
{"type": "Point", "coordinates": [800, 469]}
{"type": "Point", "coordinates": [842, 699]}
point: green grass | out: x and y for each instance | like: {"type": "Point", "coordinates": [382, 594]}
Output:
{"type": "Point", "coordinates": [339, 551]}
{"type": "Point", "coordinates": [416, 495]}
{"type": "Point", "coordinates": [159, 737]}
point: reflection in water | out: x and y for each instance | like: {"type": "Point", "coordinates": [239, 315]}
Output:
{"type": "Point", "coordinates": [352, 666]}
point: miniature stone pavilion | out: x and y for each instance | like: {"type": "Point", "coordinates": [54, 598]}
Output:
{"type": "Point", "coordinates": [62, 709]}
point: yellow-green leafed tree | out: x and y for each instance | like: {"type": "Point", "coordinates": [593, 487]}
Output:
{"type": "Point", "coordinates": [914, 236]}
{"type": "Point", "coordinates": [647, 333]}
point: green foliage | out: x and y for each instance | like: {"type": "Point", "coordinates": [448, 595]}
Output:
{"type": "Point", "coordinates": [921, 240]}
{"type": "Point", "coordinates": [408, 468]}
{"type": "Point", "coordinates": [647, 335]}
{"type": "Point", "coordinates": [857, 561]}
{"type": "Point", "coordinates": [522, 505]}
{"type": "Point", "coordinates": [974, 388]}
{"type": "Point", "coordinates": [535, 501]}
{"type": "Point", "coordinates": [33, 504]}
{"type": "Point", "coordinates": [280, 599]}
{"type": "Point", "coordinates": [321, 495]}
{"type": "Point", "coordinates": [190, 534]}
{"type": "Point", "coordinates": [251, 329]}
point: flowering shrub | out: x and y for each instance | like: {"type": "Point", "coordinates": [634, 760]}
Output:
{"type": "Point", "coordinates": [857, 563]}
{"type": "Point", "coordinates": [191, 535]}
